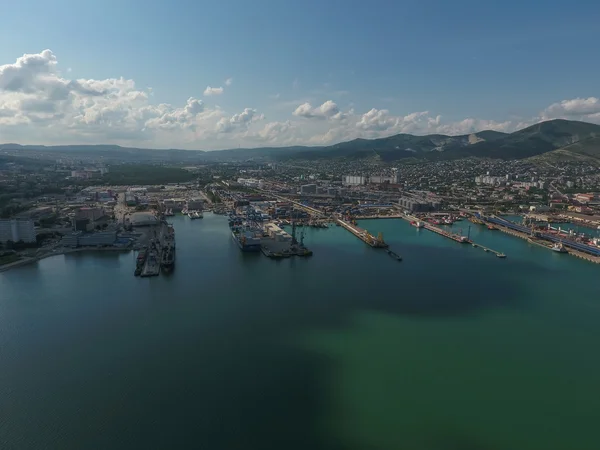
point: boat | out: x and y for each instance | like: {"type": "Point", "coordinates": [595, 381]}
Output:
{"type": "Point", "coordinates": [198, 215]}
{"type": "Point", "coordinates": [169, 213]}
{"type": "Point", "coordinates": [246, 238]}
{"type": "Point", "coordinates": [500, 255]}
{"type": "Point", "coordinates": [139, 262]}
{"type": "Point", "coordinates": [491, 227]}
{"type": "Point", "coordinates": [559, 248]}
{"type": "Point", "coordinates": [168, 255]}
{"type": "Point", "coordinates": [394, 255]}
{"type": "Point", "coordinates": [152, 265]}
{"type": "Point", "coordinates": [168, 259]}
{"type": "Point", "coordinates": [417, 224]}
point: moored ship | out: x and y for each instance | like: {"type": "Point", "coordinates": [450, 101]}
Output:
{"type": "Point", "coordinates": [559, 248]}
{"type": "Point", "coordinates": [247, 239]}
{"type": "Point", "coordinates": [168, 255]}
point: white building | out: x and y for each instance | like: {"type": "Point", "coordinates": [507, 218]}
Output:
{"type": "Point", "coordinates": [354, 180]}
{"type": "Point", "coordinates": [17, 230]}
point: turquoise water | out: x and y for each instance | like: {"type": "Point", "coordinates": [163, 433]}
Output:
{"type": "Point", "coordinates": [452, 348]}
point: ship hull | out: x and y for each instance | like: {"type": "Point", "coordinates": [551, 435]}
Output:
{"type": "Point", "coordinates": [245, 247]}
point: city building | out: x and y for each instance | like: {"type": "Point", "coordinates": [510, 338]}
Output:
{"type": "Point", "coordinates": [308, 189]}
{"type": "Point", "coordinates": [17, 230]}
{"type": "Point", "coordinates": [354, 180]}
{"type": "Point", "coordinates": [130, 199]}
{"type": "Point", "coordinates": [97, 239]}
{"type": "Point", "coordinates": [195, 204]}
{"type": "Point", "coordinates": [417, 203]}
{"type": "Point", "coordinates": [140, 219]}
{"type": "Point", "coordinates": [90, 213]}
{"type": "Point", "coordinates": [394, 178]}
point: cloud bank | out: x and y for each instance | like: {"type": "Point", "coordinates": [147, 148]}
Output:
{"type": "Point", "coordinates": [39, 104]}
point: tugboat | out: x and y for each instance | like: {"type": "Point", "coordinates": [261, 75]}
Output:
{"type": "Point", "coordinates": [559, 248]}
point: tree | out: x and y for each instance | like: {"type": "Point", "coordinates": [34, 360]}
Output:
{"type": "Point", "coordinates": [10, 245]}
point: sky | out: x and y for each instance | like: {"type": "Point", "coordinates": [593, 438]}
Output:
{"type": "Point", "coordinates": [210, 74]}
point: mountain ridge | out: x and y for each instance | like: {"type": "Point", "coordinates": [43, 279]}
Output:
{"type": "Point", "coordinates": [537, 139]}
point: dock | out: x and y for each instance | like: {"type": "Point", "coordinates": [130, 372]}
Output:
{"type": "Point", "coordinates": [518, 231]}
{"type": "Point", "coordinates": [363, 235]}
{"type": "Point", "coordinates": [453, 236]}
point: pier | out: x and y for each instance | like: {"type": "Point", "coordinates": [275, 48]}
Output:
{"type": "Point", "coordinates": [364, 235]}
{"type": "Point", "coordinates": [579, 250]}
{"type": "Point", "coordinates": [453, 236]}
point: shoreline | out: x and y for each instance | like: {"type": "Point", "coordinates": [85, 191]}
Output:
{"type": "Point", "coordinates": [34, 259]}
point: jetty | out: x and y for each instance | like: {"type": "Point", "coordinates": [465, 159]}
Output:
{"type": "Point", "coordinates": [363, 235]}
{"type": "Point", "coordinates": [578, 249]}
{"type": "Point", "coordinates": [453, 236]}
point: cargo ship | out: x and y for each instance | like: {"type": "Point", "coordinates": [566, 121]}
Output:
{"type": "Point", "coordinates": [168, 255]}
{"type": "Point", "coordinates": [139, 262]}
{"type": "Point", "coordinates": [247, 239]}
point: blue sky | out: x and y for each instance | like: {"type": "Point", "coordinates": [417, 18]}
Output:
{"type": "Point", "coordinates": [365, 69]}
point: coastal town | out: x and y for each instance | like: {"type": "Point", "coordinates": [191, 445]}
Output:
{"type": "Point", "coordinates": [60, 205]}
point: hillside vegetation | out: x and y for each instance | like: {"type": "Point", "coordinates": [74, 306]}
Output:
{"type": "Point", "coordinates": [538, 139]}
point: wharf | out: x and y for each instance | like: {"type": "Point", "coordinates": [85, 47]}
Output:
{"type": "Point", "coordinates": [363, 235]}
{"type": "Point", "coordinates": [455, 237]}
{"type": "Point", "coordinates": [391, 216]}
{"type": "Point", "coordinates": [527, 237]}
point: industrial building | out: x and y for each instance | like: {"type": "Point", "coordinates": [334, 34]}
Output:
{"type": "Point", "coordinates": [174, 204]}
{"type": "Point", "coordinates": [354, 180]}
{"type": "Point", "coordinates": [80, 239]}
{"type": "Point", "coordinates": [417, 203]}
{"type": "Point", "coordinates": [276, 240]}
{"type": "Point", "coordinates": [141, 219]}
{"type": "Point", "coordinates": [308, 189]}
{"type": "Point", "coordinates": [382, 179]}
{"type": "Point", "coordinates": [130, 199]}
{"type": "Point", "coordinates": [195, 204]}
{"type": "Point", "coordinates": [89, 213]}
{"type": "Point", "coordinates": [17, 230]}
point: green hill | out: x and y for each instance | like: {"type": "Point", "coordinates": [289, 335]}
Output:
{"type": "Point", "coordinates": [535, 140]}
{"type": "Point", "coordinates": [586, 149]}
{"type": "Point", "coordinates": [572, 137]}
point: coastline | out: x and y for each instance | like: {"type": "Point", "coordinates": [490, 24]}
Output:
{"type": "Point", "coordinates": [31, 260]}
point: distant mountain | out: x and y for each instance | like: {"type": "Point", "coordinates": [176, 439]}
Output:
{"type": "Point", "coordinates": [534, 140]}
{"type": "Point", "coordinates": [108, 152]}
{"type": "Point", "coordinates": [542, 138]}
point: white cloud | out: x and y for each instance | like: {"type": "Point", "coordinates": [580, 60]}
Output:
{"type": "Point", "coordinates": [574, 108]}
{"type": "Point", "coordinates": [468, 126]}
{"type": "Point", "coordinates": [212, 91]}
{"type": "Point", "coordinates": [229, 81]}
{"type": "Point", "coordinates": [39, 103]}
{"type": "Point", "coordinates": [237, 121]}
{"type": "Point", "coordinates": [328, 110]}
